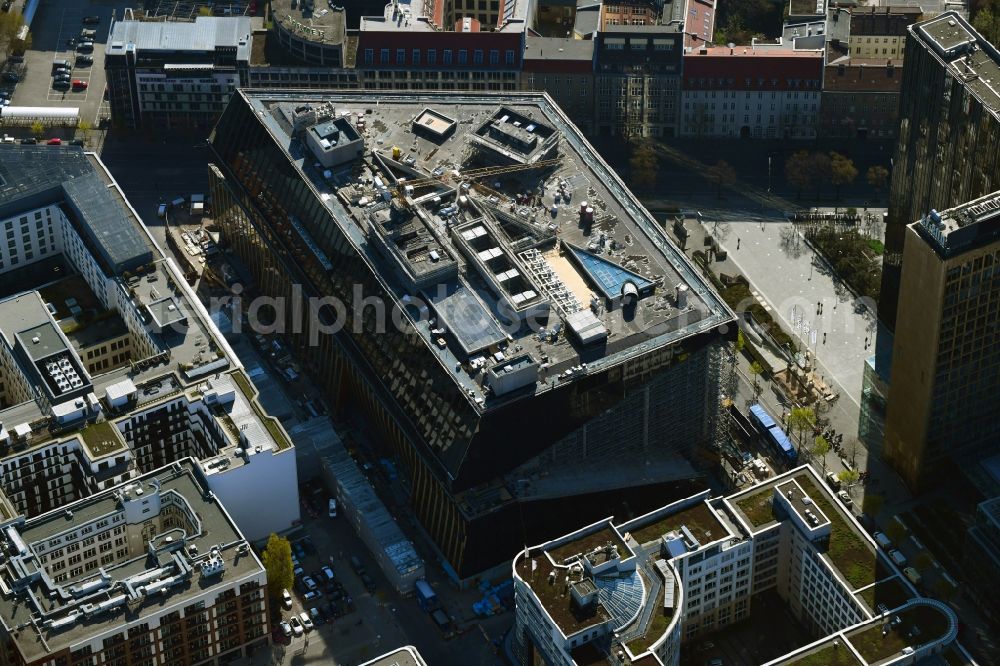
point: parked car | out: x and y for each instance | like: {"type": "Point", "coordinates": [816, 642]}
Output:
{"type": "Point", "coordinates": [833, 481]}
{"type": "Point", "coordinates": [54, 141]}
{"type": "Point", "coordinates": [11, 77]}
{"type": "Point", "coordinates": [84, 60]}
{"type": "Point", "coordinates": [332, 508]}
{"type": "Point", "coordinates": [88, 33]}
{"type": "Point", "coordinates": [61, 84]}
{"type": "Point", "coordinates": [91, 20]}
{"type": "Point", "coordinates": [328, 573]}
{"type": "Point", "coordinates": [30, 141]}
{"type": "Point", "coordinates": [898, 558]}
{"type": "Point", "coordinates": [316, 616]}
{"type": "Point", "coordinates": [912, 574]}
{"type": "Point", "coordinates": [307, 623]}
{"type": "Point", "coordinates": [845, 498]}
{"type": "Point", "coordinates": [77, 142]}
{"type": "Point", "coordinates": [79, 85]}
{"type": "Point", "coordinates": [312, 595]}
{"type": "Point", "coordinates": [85, 47]}
{"type": "Point", "coordinates": [882, 540]}
{"type": "Point", "coordinates": [286, 629]}
{"type": "Point", "coordinates": [286, 599]}
{"type": "Point", "coordinates": [296, 625]}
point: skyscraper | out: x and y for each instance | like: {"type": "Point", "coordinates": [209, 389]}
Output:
{"type": "Point", "coordinates": [949, 134]}
{"type": "Point", "coordinates": [946, 355]}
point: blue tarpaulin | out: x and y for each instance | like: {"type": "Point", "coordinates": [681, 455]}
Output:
{"type": "Point", "coordinates": [781, 440]}
{"type": "Point", "coordinates": [761, 417]}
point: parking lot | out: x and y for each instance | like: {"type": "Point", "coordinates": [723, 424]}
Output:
{"type": "Point", "coordinates": [56, 23]}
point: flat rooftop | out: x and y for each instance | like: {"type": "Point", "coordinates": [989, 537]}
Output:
{"type": "Point", "coordinates": [533, 214]}
{"type": "Point", "coordinates": [87, 606]}
{"type": "Point", "coordinates": [322, 24]}
{"type": "Point", "coordinates": [404, 656]}
{"type": "Point", "coordinates": [699, 518]}
{"type": "Point", "coordinates": [970, 57]}
{"type": "Point", "coordinates": [410, 16]}
{"type": "Point", "coordinates": [962, 228]}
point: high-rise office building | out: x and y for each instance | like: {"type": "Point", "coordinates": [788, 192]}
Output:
{"type": "Point", "coordinates": [949, 134]}
{"type": "Point", "coordinates": [514, 340]}
{"type": "Point", "coordinates": [946, 355]}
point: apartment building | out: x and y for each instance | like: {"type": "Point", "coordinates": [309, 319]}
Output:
{"type": "Point", "coordinates": [89, 359]}
{"type": "Point", "coordinates": [879, 33]}
{"type": "Point", "coordinates": [175, 74]}
{"type": "Point", "coordinates": [313, 37]}
{"type": "Point", "coordinates": [149, 571]}
{"type": "Point", "coordinates": [761, 91]}
{"type": "Point", "coordinates": [637, 64]}
{"type": "Point", "coordinates": [449, 410]}
{"type": "Point", "coordinates": [437, 46]}
{"type": "Point", "coordinates": [591, 596]}
{"type": "Point", "coordinates": [563, 68]}
{"type": "Point", "coordinates": [946, 354]}
{"type": "Point", "coordinates": [860, 97]}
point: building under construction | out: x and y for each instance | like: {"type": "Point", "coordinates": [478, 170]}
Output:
{"type": "Point", "coordinates": [497, 306]}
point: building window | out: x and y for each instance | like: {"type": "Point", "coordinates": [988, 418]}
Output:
{"type": "Point", "coordinates": [494, 56]}
{"type": "Point", "coordinates": [510, 56]}
{"type": "Point", "coordinates": [384, 56]}
{"type": "Point", "coordinates": [400, 56]}
{"type": "Point", "coordinates": [446, 59]}
{"type": "Point", "coordinates": [415, 57]}
{"type": "Point", "coordinates": [463, 57]}
{"type": "Point", "coordinates": [432, 56]}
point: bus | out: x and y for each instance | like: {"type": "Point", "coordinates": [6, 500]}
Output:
{"type": "Point", "coordinates": [771, 432]}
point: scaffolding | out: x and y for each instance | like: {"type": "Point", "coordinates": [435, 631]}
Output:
{"type": "Point", "coordinates": [556, 290]}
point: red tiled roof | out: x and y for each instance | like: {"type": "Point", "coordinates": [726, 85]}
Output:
{"type": "Point", "coordinates": [760, 70]}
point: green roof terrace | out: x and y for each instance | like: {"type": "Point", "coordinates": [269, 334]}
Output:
{"type": "Point", "coordinates": [102, 439]}
{"type": "Point", "coordinates": [918, 624]}
{"type": "Point", "coordinates": [698, 518]}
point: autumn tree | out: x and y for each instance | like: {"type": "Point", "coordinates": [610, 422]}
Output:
{"type": "Point", "coordinates": [877, 176]}
{"type": "Point", "coordinates": [820, 448]}
{"type": "Point", "coordinates": [801, 419]}
{"type": "Point", "coordinates": [37, 128]}
{"type": "Point", "coordinates": [842, 171]}
{"type": "Point", "coordinates": [849, 477]}
{"type": "Point", "coordinates": [277, 559]}
{"type": "Point", "coordinates": [756, 370]}
{"type": "Point", "coordinates": [819, 167]}
{"type": "Point", "coordinates": [10, 26]}
{"type": "Point", "coordinates": [723, 174]}
{"type": "Point", "coordinates": [797, 171]}
{"type": "Point", "coordinates": [986, 22]}
{"type": "Point", "coordinates": [643, 164]}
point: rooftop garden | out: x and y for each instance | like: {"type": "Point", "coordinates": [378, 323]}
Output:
{"type": "Point", "coordinates": [658, 623]}
{"type": "Point", "coordinates": [920, 624]}
{"type": "Point", "coordinates": [587, 543]}
{"type": "Point", "coordinates": [833, 654]}
{"type": "Point", "coordinates": [698, 518]}
{"type": "Point", "coordinates": [556, 598]}
{"type": "Point", "coordinates": [101, 438]}
{"type": "Point", "coordinates": [892, 593]}
{"type": "Point", "coordinates": [854, 557]}
{"type": "Point", "coordinates": [758, 507]}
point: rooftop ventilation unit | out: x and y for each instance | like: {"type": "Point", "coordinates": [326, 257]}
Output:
{"type": "Point", "coordinates": [213, 565]}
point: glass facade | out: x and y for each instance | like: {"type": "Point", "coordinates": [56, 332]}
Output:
{"type": "Point", "coordinates": [454, 451]}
